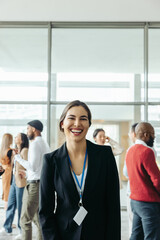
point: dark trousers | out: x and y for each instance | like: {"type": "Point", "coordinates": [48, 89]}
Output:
{"type": "Point", "coordinates": [146, 220]}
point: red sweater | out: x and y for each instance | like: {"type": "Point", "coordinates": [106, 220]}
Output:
{"type": "Point", "coordinates": [144, 175]}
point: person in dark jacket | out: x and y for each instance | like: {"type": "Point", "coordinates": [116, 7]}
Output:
{"type": "Point", "coordinates": [79, 185]}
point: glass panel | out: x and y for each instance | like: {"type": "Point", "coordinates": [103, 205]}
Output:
{"type": "Point", "coordinates": [14, 118]}
{"type": "Point", "coordinates": [23, 64]}
{"type": "Point", "coordinates": [156, 144]}
{"type": "Point", "coordinates": [154, 118]}
{"type": "Point", "coordinates": [97, 65]}
{"type": "Point", "coordinates": [154, 65]}
{"type": "Point", "coordinates": [154, 113]}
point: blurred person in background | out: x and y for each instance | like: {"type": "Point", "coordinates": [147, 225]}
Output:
{"type": "Point", "coordinates": [144, 177]}
{"type": "Point", "coordinates": [132, 136]}
{"type": "Point", "coordinates": [6, 161]}
{"type": "Point", "coordinates": [101, 138]}
{"type": "Point", "coordinates": [30, 202]}
{"type": "Point", "coordinates": [17, 187]}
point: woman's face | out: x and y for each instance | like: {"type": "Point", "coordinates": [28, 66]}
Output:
{"type": "Point", "coordinates": [18, 139]}
{"type": "Point", "coordinates": [100, 138]}
{"type": "Point", "coordinates": [76, 124]}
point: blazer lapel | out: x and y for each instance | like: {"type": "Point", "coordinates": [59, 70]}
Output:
{"type": "Point", "coordinates": [63, 166]}
{"type": "Point", "coordinates": [92, 172]}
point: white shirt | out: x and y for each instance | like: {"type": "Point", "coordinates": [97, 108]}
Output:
{"type": "Point", "coordinates": [38, 147]}
{"type": "Point", "coordinates": [79, 177]}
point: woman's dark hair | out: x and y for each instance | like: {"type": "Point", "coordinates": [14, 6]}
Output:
{"type": "Point", "coordinates": [96, 131]}
{"type": "Point", "coordinates": [74, 104]}
{"type": "Point", "coordinates": [25, 142]}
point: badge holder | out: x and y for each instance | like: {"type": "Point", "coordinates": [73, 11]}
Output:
{"type": "Point", "coordinates": [82, 212]}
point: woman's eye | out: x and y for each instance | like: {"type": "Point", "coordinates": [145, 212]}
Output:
{"type": "Point", "coordinates": [71, 118]}
{"type": "Point", "coordinates": [84, 119]}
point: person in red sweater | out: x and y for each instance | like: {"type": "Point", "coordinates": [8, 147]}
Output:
{"type": "Point", "coordinates": [144, 177]}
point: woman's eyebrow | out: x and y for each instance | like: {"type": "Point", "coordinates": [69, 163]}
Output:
{"type": "Point", "coordinates": [71, 115]}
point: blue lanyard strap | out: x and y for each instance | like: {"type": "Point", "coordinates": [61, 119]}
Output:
{"type": "Point", "coordinates": [79, 184]}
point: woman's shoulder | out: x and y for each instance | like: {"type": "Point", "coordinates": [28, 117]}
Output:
{"type": "Point", "coordinates": [24, 153]}
{"type": "Point", "coordinates": [51, 154]}
{"type": "Point", "coordinates": [24, 150]}
{"type": "Point", "coordinates": [101, 152]}
{"type": "Point", "coordinates": [57, 152]}
{"type": "Point", "coordinates": [96, 147]}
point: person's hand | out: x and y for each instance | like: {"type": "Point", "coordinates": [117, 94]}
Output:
{"type": "Point", "coordinates": [107, 139]}
{"type": "Point", "coordinates": [14, 151]}
{"type": "Point", "coordinates": [22, 173]}
{"type": "Point", "coordinates": [1, 169]}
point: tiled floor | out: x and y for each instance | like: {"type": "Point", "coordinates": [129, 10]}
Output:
{"type": "Point", "coordinates": [15, 230]}
{"type": "Point", "coordinates": [124, 219]}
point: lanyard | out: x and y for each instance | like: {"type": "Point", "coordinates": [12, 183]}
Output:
{"type": "Point", "coordinates": [79, 184]}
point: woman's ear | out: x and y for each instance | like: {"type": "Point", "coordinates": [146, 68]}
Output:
{"type": "Point", "coordinates": [62, 125]}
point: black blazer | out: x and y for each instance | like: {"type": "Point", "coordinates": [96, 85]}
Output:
{"type": "Point", "coordinates": [100, 197]}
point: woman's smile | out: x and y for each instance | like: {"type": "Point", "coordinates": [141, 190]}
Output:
{"type": "Point", "coordinates": [76, 132]}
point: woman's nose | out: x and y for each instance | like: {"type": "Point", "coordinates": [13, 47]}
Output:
{"type": "Point", "coordinates": [76, 122]}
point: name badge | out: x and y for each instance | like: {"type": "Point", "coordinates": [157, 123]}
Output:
{"type": "Point", "coordinates": [80, 215]}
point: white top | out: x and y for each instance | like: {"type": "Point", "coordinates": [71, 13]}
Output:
{"type": "Point", "coordinates": [14, 166]}
{"type": "Point", "coordinates": [79, 177]}
{"type": "Point", "coordinates": [116, 148]}
{"type": "Point", "coordinates": [38, 147]}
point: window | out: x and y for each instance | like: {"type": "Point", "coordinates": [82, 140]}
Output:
{"type": "Point", "coordinates": [23, 64]}
{"type": "Point", "coordinates": [97, 65]}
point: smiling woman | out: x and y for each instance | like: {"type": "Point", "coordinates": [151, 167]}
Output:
{"type": "Point", "coordinates": [85, 179]}
{"type": "Point", "coordinates": [75, 125]}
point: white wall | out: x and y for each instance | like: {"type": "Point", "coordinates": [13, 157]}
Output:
{"type": "Point", "coordinates": [82, 10]}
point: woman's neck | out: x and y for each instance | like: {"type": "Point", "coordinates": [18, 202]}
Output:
{"type": "Point", "coordinates": [77, 153]}
{"type": "Point", "coordinates": [19, 148]}
{"type": "Point", "coordinates": [76, 148]}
